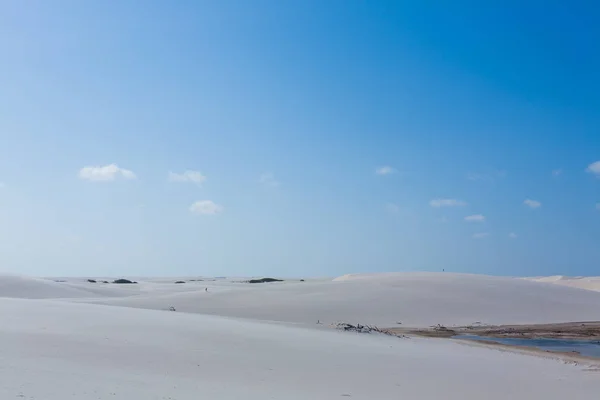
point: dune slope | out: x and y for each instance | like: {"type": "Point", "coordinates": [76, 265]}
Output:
{"type": "Point", "coordinates": [583, 282]}
{"type": "Point", "coordinates": [25, 287]}
{"type": "Point", "coordinates": [414, 299]}
{"type": "Point", "coordinates": [55, 350]}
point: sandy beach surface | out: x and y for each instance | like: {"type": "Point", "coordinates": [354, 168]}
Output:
{"type": "Point", "coordinates": [64, 338]}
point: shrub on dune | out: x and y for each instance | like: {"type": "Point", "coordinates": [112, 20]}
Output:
{"type": "Point", "coordinates": [265, 280]}
{"type": "Point", "coordinates": [123, 281]}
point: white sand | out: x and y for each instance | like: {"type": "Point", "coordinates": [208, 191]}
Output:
{"type": "Point", "coordinates": [415, 299]}
{"type": "Point", "coordinates": [61, 348]}
{"type": "Point", "coordinates": [581, 282]}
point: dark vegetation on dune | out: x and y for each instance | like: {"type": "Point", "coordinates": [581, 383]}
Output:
{"type": "Point", "coordinates": [91, 280]}
{"type": "Point", "coordinates": [265, 280]}
{"type": "Point", "coordinates": [123, 281]}
{"type": "Point", "coordinates": [364, 329]}
{"type": "Point", "coordinates": [180, 282]}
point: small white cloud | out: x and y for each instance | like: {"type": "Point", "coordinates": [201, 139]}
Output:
{"type": "Point", "coordinates": [187, 176]}
{"type": "Point", "coordinates": [557, 172]}
{"type": "Point", "coordinates": [105, 173]}
{"type": "Point", "coordinates": [437, 203]}
{"type": "Point", "coordinates": [594, 168]}
{"type": "Point", "coordinates": [268, 179]}
{"type": "Point", "coordinates": [475, 218]}
{"type": "Point", "coordinates": [392, 208]}
{"type": "Point", "coordinates": [532, 203]}
{"type": "Point", "coordinates": [512, 235]}
{"type": "Point", "coordinates": [206, 207]}
{"type": "Point", "coordinates": [127, 174]}
{"type": "Point", "coordinates": [480, 235]}
{"type": "Point", "coordinates": [386, 170]}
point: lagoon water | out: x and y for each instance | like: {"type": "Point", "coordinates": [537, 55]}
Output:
{"type": "Point", "coordinates": [583, 347]}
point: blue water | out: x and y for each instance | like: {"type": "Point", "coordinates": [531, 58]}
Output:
{"type": "Point", "coordinates": [583, 347]}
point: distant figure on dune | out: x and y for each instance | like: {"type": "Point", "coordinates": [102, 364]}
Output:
{"type": "Point", "coordinates": [206, 289]}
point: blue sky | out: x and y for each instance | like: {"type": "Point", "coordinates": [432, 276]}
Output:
{"type": "Point", "coordinates": [319, 137]}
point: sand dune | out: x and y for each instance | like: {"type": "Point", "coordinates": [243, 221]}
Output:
{"type": "Point", "coordinates": [56, 350]}
{"type": "Point", "coordinates": [415, 299]}
{"type": "Point", "coordinates": [581, 282]}
{"type": "Point", "coordinates": [55, 345]}
{"type": "Point", "coordinates": [24, 287]}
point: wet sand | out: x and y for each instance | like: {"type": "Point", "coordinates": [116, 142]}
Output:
{"type": "Point", "coordinates": [589, 330]}
{"type": "Point", "coordinates": [567, 357]}
{"type": "Point", "coordinates": [585, 331]}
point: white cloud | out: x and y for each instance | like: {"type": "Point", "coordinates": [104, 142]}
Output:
{"type": "Point", "coordinates": [446, 203]}
{"type": "Point", "coordinates": [187, 176]}
{"type": "Point", "coordinates": [557, 172]}
{"type": "Point", "coordinates": [206, 207]}
{"type": "Point", "coordinates": [480, 235]}
{"type": "Point", "coordinates": [105, 173]}
{"type": "Point", "coordinates": [386, 170]}
{"type": "Point", "coordinates": [594, 168]}
{"type": "Point", "coordinates": [475, 218]}
{"type": "Point", "coordinates": [268, 179]}
{"type": "Point", "coordinates": [532, 203]}
{"type": "Point", "coordinates": [512, 235]}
